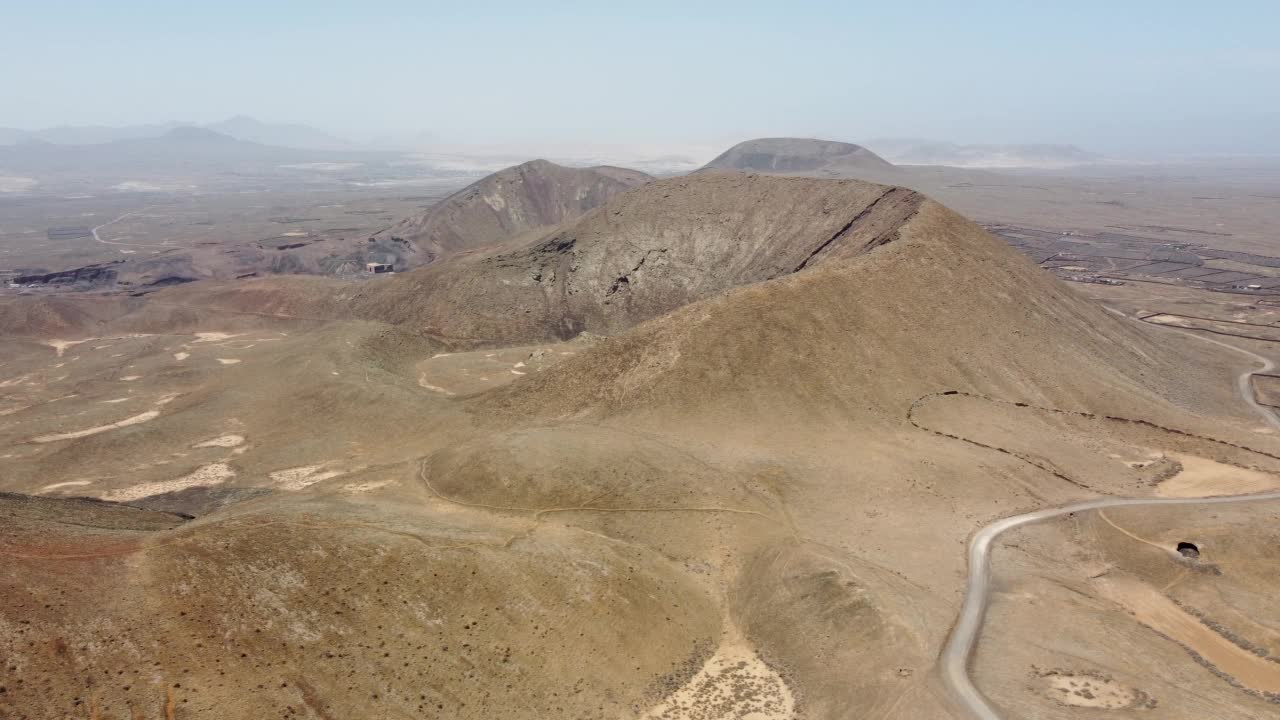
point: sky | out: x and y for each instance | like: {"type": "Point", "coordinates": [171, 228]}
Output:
{"type": "Point", "coordinates": [1120, 77]}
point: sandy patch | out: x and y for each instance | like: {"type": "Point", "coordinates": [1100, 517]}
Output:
{"type": "Point", "coordinates": [422, 381]}
{"type": "Point", "coordinates": [12, 410]}
{"type": "Point", "coordinates": [114, 401]}
{"type": "Point", "coordinates": [214, 336]}
{"type": "Point", "coordinates": [1201, 477]}
{"type": "Point", "coordinates": [137, 186]}
{"type": "Point", "coordinates": [470, 372]}
{"type": "Point", "coordinates": [225, 441]}
{"type": "Point", "coordinates": [1158, 612]}
{"type": "Point", "coordinates": [16, 183]}
{"type": "Point", "coordinates": [130, 378]}
{"type": "Point", "coordinates": [60, 346]}
{"type": "Point", "coordinates": [734, 684]}
{"type": "Point", "coordinates": [228, 361]}
{"type": "Point", "coordinates": [180, 356]}
{"type": "Point", "coordinates": [134, 420]}
{"type": "Point", "coordinates": [204, 476]}
{"type": "Point", "coordinates": [300, 477]}
{"type": "Point", "coordinates": [1089, 690]}
{"type": "Point", "coordinates": [69, 483]}
{"type": "Point", "coordinates": [364, 487]}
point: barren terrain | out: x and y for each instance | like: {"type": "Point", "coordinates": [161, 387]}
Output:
{"type": "Point", "coordinates": [713, 449]}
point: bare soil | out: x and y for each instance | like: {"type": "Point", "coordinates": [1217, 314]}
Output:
{"type": "Point", "coordinates": [749, 500]}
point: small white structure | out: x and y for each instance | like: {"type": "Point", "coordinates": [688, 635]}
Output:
{"type": "Point", "coordinates": [377, 267]}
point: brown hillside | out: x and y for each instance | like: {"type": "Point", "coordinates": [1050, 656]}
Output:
{"type": "Point", "coordinates": [822, 402]}
{"type": "Point", "coordinates": [643, 254]}
{"type": "Point", "coordinates": [536, 194]}
{"type": "Point", "coordinates": [752, 501]}
{"type": "Point", "coordinates": [943, 306]}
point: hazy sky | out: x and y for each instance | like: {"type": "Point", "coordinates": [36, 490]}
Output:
{"type": "Point", "coordinates": [1114, 75]}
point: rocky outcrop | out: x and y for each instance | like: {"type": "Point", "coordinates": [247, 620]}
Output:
{"type": "Point", "coordinates": [97, 275]}
{"type": "Point", "coordinates": [645, 253]}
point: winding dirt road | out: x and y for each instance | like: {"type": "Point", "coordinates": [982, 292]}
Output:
{"type": "Point", "coordinates": [98, 237]}
{"type": "Point", "coordinates": [1244, 381]}
{"type": "Point", "coordinates": [953, 663]}
{"type": "Point", "coordinates": [129, 214]}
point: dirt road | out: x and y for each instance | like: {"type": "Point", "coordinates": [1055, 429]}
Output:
{"type": "Point", "coordinates": [131, 213]}
{"type": "Point", "coordinates": [953, 663]}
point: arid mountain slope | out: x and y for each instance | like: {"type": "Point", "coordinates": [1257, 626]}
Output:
{"type": "Point", "coordinates": [798, 156]}
{"type": "Point", "coordinates": [644, 253]}
{"type": "Point", "coordinates": [832, 395]}
{"type": "Point", "coordinates": [530, 196]}
{"type": "Point", "coordinates": [752, 499]}
{"type": "Point", "coordinates": [934, 304]}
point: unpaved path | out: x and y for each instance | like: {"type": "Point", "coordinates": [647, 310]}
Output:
{"type": "Point", "coordinates": [953, 663]}
{"type": "Point", "coordinates": [131, 213]}
{"type": "Point", "coordinates": [1244, 381]}
{"type": "Point", "coordinates": [134, 420]}
{"type": "Point", "coordinates": [1156, 610]}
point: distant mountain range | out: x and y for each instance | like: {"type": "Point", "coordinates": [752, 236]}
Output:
{"type": "Point", "coordinates": [914, 151]}
{"type": "Point", "coordinates": [239, 127]}
{"type": "Point", "coordinates": [183, 146]}
{"type": "Point", "coordinates": [189, 158]}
